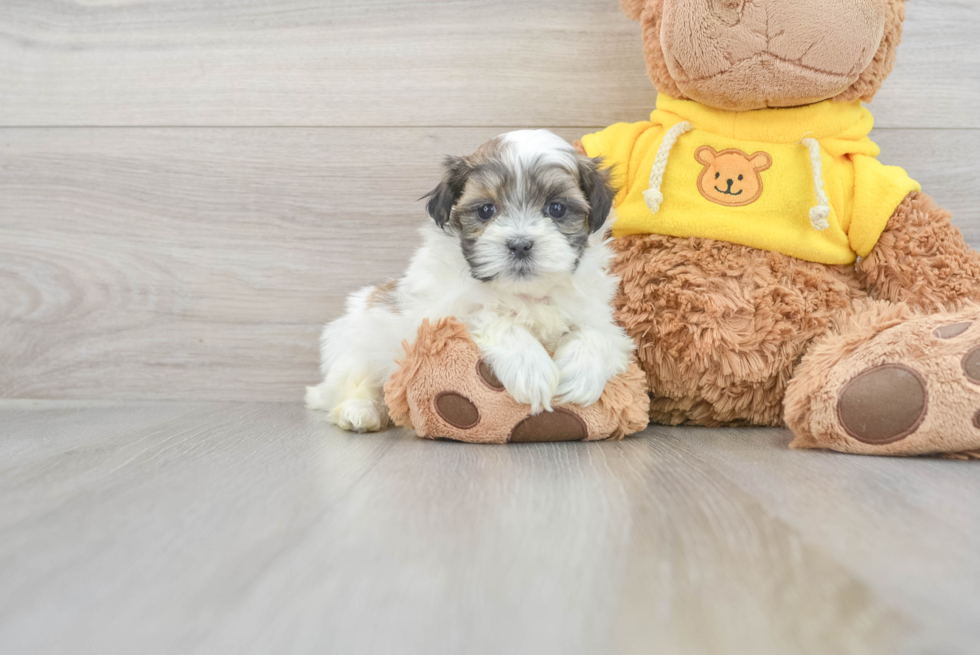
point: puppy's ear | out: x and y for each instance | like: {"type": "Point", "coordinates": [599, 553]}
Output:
{"type": "Point", "coordinates": [443, 198]}
{"type": "Point", "coordinates": [598, 190]}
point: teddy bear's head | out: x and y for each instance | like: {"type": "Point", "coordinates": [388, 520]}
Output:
{"type": "Point", "coordinates": [740, 55]}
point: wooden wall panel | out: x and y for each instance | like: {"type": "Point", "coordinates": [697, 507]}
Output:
{"type": "Point", "coordinates": [388, 62]}
{"type": "Point", "coordinates": [201, 263]}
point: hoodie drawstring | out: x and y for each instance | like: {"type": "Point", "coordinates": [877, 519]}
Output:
{"type": "Point", "coordinates": [653, 196]}
{"type": "Point", "coordinates": [819, 214]}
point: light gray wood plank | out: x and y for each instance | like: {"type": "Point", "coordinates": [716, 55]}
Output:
{"type": "Point", "coordinates": [201, 263]}
{"type": "Point", "coordinates": [385, 62]}
{"type": "Point", "coordinates": [258, 528]}
{"type": "Point", "coordinates": [67, 430]}
{"type": "Point", "coordinates": [867, 505]}
{"type": "Point", "coordinates": [291, 62]}
{"type": "Point", "coordinates": [935, 82]}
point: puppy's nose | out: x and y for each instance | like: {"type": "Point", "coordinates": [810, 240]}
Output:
{"type": "Point", "coordinates": [520, 248]}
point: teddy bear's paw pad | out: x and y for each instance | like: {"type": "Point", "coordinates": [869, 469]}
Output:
{"type": "Point", "coordinates": [457, 410]}
{"type": "Point", "coordinates": [971, 365]}
{"type": "Point", "coordinates": [558, 425]}
{"type": "Point", "coordinates": [884, 404]}
{"type": "Point", "coordinates": [952, 330]}
{"type": "Point", "coordinates": [488, 377]}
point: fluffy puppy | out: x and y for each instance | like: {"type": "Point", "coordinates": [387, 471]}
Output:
{"type": "Point", "coordinates": [517, 252]}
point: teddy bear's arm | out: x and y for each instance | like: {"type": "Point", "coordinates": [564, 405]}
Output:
{"type": "Point", "coordinates": [921, 259]}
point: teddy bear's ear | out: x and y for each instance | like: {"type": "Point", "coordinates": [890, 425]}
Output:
{"type": "Point", "coordinates": [633, 8]}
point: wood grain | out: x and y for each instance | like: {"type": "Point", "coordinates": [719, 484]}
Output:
{"type": "Point", "coordinates": [389, 62]}
{"type": "Point", "coordinates": [235, 528]}
{"type": "Point", "coordinates": [201, 263]}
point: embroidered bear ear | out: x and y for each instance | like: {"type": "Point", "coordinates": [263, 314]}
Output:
{"type": "Point", "coordinates": [761, 161]}
{"type": "Point", "coordinates": [706, 154]}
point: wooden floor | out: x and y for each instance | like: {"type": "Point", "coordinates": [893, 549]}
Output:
{"type": "Point", "coordinates": [243, 528]}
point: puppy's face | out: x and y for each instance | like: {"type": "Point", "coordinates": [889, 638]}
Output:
{"type": "Point", "coordinates": [523, 206]}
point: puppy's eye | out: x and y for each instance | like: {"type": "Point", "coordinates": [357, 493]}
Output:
{"type": "Point", "coordinates": [717, 175]}
{"type": "Point", "coordinates": [740, 178]}
{"type": "Point", "coordinates": [556, 210]}
{"type": "Point", "coordinates": [486, 212]}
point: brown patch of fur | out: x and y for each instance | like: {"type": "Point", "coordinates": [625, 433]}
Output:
{"type": "Point", "coordinates": [383, 295]}
{"type": "Point", "coordinates": [921, 259]}
{"type": "Point", "coordinates": [492, 176]}
{"type": "Point", "coordinates": [720, 327]}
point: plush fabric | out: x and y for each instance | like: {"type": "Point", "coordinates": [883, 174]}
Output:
{"type": "Point", "coordinates": [650, 14]}
{"type": "Point", "coordinates": [922, 260]}
{"type": "Point", "coordinates": [720, 326]}
{"type": "Point", "coordinates": [905, 350]}
{"type": "Point", "coordinates": [771, 185]}
{"type": "Point", "coordinates": [441, 391]}
{"type": "Point", "coordinates": [869, 82]}
{"type": "Point", "coordinates": [741, 55]}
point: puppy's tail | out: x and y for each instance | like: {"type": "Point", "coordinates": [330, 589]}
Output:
{"type": "Point", "coordinates": [317, 398]}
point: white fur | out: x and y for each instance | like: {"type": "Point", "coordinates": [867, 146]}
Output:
{"type": "Point", "coordinates": [515, 322]}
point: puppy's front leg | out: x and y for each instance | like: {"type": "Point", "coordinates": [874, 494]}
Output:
{"type": "Point", "coordinates": [587, 358]}
{"type": "Point", "coordinates": [520, 362]}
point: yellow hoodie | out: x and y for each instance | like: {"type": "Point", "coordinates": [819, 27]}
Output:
{"type": "Point", "coordinates": [803, 181]}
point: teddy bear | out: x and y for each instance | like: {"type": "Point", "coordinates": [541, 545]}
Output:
{"type": "Point", "coordinates": [444, 390]}
{"type": "Point", "coordinates": [773, 271]}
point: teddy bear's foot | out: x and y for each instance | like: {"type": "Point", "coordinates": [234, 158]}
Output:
{"type": "Point", "coordinates": [444, 390]}
{"type": "Point", "coordinates": [894, 383]}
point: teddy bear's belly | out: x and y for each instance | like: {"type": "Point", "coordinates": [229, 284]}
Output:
{"type": "Point", "coordinates": [720, 327]}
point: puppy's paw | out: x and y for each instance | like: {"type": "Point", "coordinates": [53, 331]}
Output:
{"type": "Point", "coordinates": [530, 377]}
{"type": "Point", "coordinates": [582, 376]}
{"type": "Point", "coordinates": [358, 415]}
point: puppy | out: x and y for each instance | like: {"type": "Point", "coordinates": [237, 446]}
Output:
{"type": "Point", "coordinates": [517, 252]}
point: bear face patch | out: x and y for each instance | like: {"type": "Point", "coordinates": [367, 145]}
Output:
{"type": "Point", "coordinates": [731, 177]}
